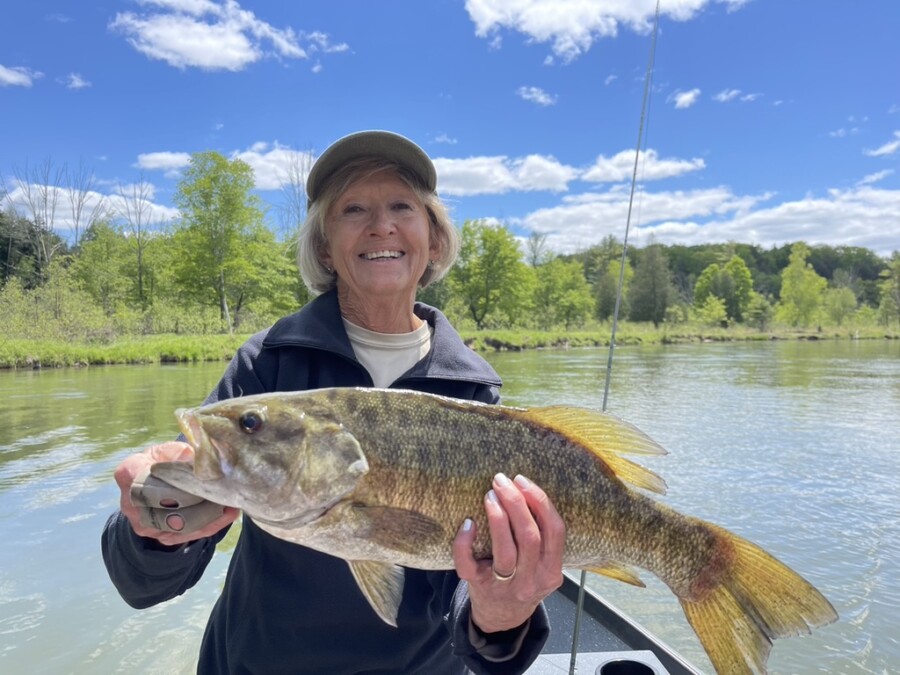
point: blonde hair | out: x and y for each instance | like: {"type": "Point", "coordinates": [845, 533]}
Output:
{"type": "Point", "coordinates": [312, 242]}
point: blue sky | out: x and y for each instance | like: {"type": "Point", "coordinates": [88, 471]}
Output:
{"type": "Point", "coordinates": [770, 121]}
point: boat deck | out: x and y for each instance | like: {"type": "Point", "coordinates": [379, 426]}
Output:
{"type": "Point", "coordinates": [609, 640]}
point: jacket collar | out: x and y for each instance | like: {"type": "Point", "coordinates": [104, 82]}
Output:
{"type": "Point", "coordinates": [318, 325]}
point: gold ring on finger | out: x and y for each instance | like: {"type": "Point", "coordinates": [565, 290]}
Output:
{"type": "Point", "coordinates": [503, 577]}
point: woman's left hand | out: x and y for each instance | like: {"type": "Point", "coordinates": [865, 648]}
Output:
{"type": "Point", "coordinates": [528, 538]}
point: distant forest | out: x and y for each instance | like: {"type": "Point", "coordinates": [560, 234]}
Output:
{"type": "Point", "coordinates": [220, 269]}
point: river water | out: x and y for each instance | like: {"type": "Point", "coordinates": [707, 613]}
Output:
{"type": "Point", "coordinates": [794, 445]}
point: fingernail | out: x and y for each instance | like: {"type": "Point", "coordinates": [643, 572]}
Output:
{"type": "Point", "coordinates": [492, 497]}
{"type": "Point", "coordinates": [523, 482]}
{"type": "Point", "coordinates": [467, 525]}
{"type": "Point", "coordinates": [502, 480]}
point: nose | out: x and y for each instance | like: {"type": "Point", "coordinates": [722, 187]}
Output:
{"type": "Point", "coordinates": [382, 223]}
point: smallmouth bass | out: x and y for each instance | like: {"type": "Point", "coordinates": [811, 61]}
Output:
{"type": "Point", "coordinates": [384, 478]}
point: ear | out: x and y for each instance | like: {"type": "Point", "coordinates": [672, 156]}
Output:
{"type": "Point", "coordinates": [435, 250]}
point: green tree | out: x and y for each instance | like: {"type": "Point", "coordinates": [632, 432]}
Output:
{"type": "Point", "coordinates": [17, 254]}
{"type": "Point", "coordinates": [801, 289]}
{"type": "Point", "coordinates": [99, 266]}
{"type": "Point", "coordinates": [759, 311]}
{"type": "Point", "coordinates": [651, 290]}
{"type": "Point", "coordinates": [490, 279]}
{"type": "Point", "coordinates": [839, 303]}
{"type": "Point", "coordinates": [563, 295]}
{"type": "Point", "coordinates": [712, 311]}
{"type": "Point", "coordinates": [220, 257]}
{"type": "Point", "coordinates": [597, 258]}
{"type": "Point", "coordinates": [607, 287]}
{"type": "Point", "coordinates": [889, 307]}
{"type": "Point", "coordinates": [731, 282]}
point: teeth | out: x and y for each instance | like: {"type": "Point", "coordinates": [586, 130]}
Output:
{"type": "Point", "coordinates": [374, 255]}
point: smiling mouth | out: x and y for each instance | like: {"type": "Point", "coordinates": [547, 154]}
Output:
{"type": "Point", "coordinates": [382, 255]}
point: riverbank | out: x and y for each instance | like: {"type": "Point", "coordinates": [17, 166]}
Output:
{"type": "Point", "coordinates": [36, 354]}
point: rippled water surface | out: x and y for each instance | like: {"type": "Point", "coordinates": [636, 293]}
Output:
{"type": "Point", "coordinates": [793, 445]}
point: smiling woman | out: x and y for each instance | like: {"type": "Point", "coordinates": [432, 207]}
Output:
{"type": "Point", "coordinates": [375, 233]}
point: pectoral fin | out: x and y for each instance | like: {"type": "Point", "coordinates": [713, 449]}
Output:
{"type": "Point", "coordinates": [382, 584]}
{"type": "Point", "coordinates": [399, 529]}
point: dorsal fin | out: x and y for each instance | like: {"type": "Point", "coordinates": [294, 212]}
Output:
{"type": "Point", "coordinates": [608, 437]}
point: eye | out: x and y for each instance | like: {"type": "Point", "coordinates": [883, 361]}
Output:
{"type": "Point", "coordinates": [402, 206]}
{"type": "Point", "coordinates": [251, 422]}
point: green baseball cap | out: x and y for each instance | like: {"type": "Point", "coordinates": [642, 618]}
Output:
{"type": "Point", "coordinates": [384, 144]}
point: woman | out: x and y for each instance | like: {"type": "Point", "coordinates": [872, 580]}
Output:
{"type": "Point", "coordinates": [376, 232]}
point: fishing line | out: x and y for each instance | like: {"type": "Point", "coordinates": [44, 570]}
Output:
{"type": "Point", "coordinates": [615, 323]}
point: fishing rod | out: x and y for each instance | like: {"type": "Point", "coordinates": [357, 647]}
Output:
{"type": "Point", "coordinates": [648, 79]}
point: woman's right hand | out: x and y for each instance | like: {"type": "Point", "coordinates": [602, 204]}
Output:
{"type": "Point", "coordinates": [181, 530]}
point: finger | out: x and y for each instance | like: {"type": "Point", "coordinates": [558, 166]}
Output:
{"type": "Point", "coordinates": [503, 542]}
{"type": "Point", "coordinates": [463, 558]}
{"type": "Point", "coordinates": [525, 531]}
{"type": "Point", "coordinates": [551, 525]}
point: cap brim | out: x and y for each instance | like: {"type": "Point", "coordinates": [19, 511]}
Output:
{"type": "Point", "coordinates": [384, 144]}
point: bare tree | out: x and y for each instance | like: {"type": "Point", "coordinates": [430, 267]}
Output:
{"type": "Point", "coordinates": [536, 251]}
{"type": "Point", "coordinates": [135, 209]}
{"type": "Point", "coordinates": [292, 210]}
{"type": "Point", "coordinates": [39, 187]}
{"type": "Point", "coordinates": [87, 206]}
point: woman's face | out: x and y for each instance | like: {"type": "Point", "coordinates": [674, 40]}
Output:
{"type": "Point", "coordinates": [378, 239]}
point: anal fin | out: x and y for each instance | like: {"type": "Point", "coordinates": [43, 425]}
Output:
{"type": "Point", "coordinates": [619, 573]}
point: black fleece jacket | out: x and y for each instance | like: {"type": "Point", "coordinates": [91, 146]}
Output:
{"type": "Point", "coordinates": [285, 608]}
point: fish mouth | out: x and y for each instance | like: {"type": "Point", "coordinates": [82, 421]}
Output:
{"type": "Point", "coordinates": [210, 461]}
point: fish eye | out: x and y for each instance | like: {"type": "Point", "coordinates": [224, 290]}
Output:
{"type": "Point", "coordinates": [251, 422]}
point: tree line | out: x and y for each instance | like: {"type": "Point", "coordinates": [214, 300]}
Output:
{"type": "Point", "coordinates": [220, 268]}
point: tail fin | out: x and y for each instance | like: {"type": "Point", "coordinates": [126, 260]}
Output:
{"type": "Point", "coordinates": [757, 600]}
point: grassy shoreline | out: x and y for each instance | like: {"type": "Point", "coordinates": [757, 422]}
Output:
{"type": "Point", "coordinates": [34, 354]}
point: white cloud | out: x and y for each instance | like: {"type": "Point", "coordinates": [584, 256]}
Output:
{"type": "Point", "coordinates": [213, 35]}
{"type": "Point", "coordinates": [727, 95]}
{"type": "Point", "coordinates": [684, 99]}
{"type": "Point", "coordinates": [854, 217]}
{"type": "Point", "coordinates": [842, 132]}
{"type": "Point", "coordinates": [875, 177]}
{"type": "Point", "coordinates": [536, 95]}
{"type": "Point", "coordinates": [610, 79]}
{"type": "Point", "coordinates": [444, 138]}
{"type": "Point", "coordinates": [94, 203]}
{"type": "Point", "coordinates": [572, 26]}
{"type": "Point", "coordinates": [169, 162]}
{"type": "Point", "coordinates": [320, 41]}
{"type": "Point", "coordinates": [75, 81]}
{"type": "Point", "coordinates": [272, 164]}
{"type": "Point", "coordinates": [620, 167]}
{"type": "Point", "coordinates": [498, 175]}
{"type": "Point", "coordinates": [18, 76]}
{"type": "Point", "coordinates": [888, 148]}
